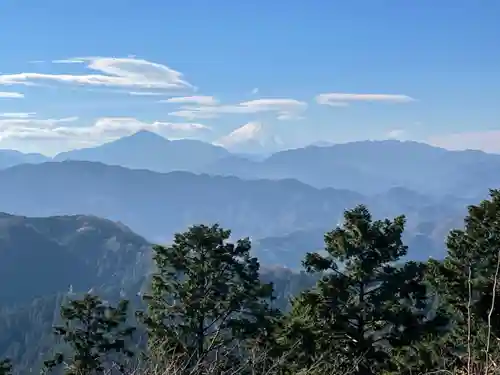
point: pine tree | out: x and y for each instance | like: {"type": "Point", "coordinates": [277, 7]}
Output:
{"type": "Point", "coordinates": [206, 296]}
{"type": "Point", "coordinates": [365, 310]}
{"type": "Point", "coordinates": [97, 335]}
{"type": "Point", "coordinates": [467, 280]}
{"type": "Point", "coordinates": [5, 367]}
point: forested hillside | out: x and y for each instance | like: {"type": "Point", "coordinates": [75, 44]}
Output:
{"type": "Point", "coordinates": [203, 303]}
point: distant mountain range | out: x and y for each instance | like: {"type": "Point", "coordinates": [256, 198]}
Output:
{"type": "Point", "coordinates": [156, 205]}
{"type": "Point", "coordinates": [375, 166]}
{"type": "Point", "coordinates": [142, 150]}
{"type": "Point", "coordinates": [367, 167]}
{"type": "Point", "coordinates": [147, 150]}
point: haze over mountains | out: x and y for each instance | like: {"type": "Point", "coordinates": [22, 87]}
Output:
{"type": "Point", "coordinates": [125, 195]}
{"type": "Point", "coordinates": [9, 158]}
{"type": "Point", "coordinates": [158, 187]}
{"type": "Point", "coordinates": [156, 205]}
{"type": "Point", "coordinates": [147, 150]}
{"type": "Point", "coordinates": [366, 167]}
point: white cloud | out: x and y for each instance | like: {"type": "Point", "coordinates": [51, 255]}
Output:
{"type": "Point", "coordinates": [278, 105]}
{"type": "Point", "coordinates": [104, 129]}
{"type": "Point", "coordinates": [396, 134]}
{"type": "Point", "coordinates": [341, 99]}
{"type": "Point", "coordinates": [289, 116]}
{"type": "Point", "coordinates": [11, 95]}
{"type": "Point", "coordinates": [67, 61]}
{"type": "Point", "coordinates": [112, 72]}
{"type": "Point", "coordinates": [192, 115]}
{"type": "Point", "coordinates": [145, 93]}
{"type": "Point", "coordinates": [115, 127]}
{"type": "Point", "coordinates": [285, 109]}
{"type": "Point", "coordinates": [199, 100]}
{"type": "Point", "coordinates": [17, 114]}
{"type": "Point", "coordinates": [30, 128]}
{"type": "Point", "coordinates": [14, 125]}
{"type": "Point", "coordinates": [487, 141]}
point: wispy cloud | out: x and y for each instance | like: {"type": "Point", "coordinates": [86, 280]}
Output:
{"type": "Point", "coordinates": [199, 100]}
{"type": "Point", "coordinates": [103, 129]}
{"type": "Point", "coordinates": [17, 115]}
{"type": "Point", "coordinates": [120, 126]}
{"type": "Point", "coordinates": [285, 109]}
{"type": "Point", "coordinates": [67, 61]}
{"type": "Point", "coordinates": [396, 134]}
{"type": "Point", "coordinates": [11, 95]}
{"type": "Point", "coordinates": [341, 99]}
{"type": "Point", "coordinates": [289, 116]}
{"type": "Point", "coordinates": [189, 114]}
{"type": "Point", "coordinates": [19, 125]}
{"type": "Point", "coordinates": [111, 72]}
{"type": "Point", "coordinates": [145, 93]}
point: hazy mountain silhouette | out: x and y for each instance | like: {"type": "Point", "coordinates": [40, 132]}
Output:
{"type": "Point", "coordinates": [156, 205]}
{"type": "Point", "coordinates": [368, 167]}
{"type": "Point", "coordinates": [375, 166]}
{"type": "Point", "coordinates": [148, 150]}
{"type": "Point", "coordinates": [9, 158]}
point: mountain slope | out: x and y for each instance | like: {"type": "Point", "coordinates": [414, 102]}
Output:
{"type": "Point", "coordinates": [368, 167]}
{"type": "Point", "coordinates": [147, 150]}
{"type": "Point", "coordinates": [426, 240]}
{"type": "Point", "coordinates": [9, 158]}
{"type": "Point", "coordinates": [156, 205]}
{"type": "Point", "coordinates": [55, 253]}
{"type": "Point", "coordinates": [375, 166]}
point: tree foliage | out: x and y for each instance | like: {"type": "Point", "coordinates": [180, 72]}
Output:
{"type": "Point", "coordinates": [97, 335]}
{"type": "Point", "coordinates": [359, 308]}
{"type": "Point", "coordinates": [365, 307]}
{"type": "Point", "coordinates": [5, 367]}
{"type": "Point", "coordinates": [467, 279]}
{"type": "Point", "coordinates": [206, 296]}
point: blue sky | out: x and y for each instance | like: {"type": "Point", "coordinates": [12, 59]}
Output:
{"type": "Point", "coordinates": [283, 73]}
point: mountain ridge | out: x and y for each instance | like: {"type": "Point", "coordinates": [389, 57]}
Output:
{"type": "Point", "coordinates": [368, 167]}
{"type": "Point", "coordinates": [156, 205]}
{"type": "Point", "coordinates": [83, 251]}
{"type": "Point", "coordinates": [148, 150]}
